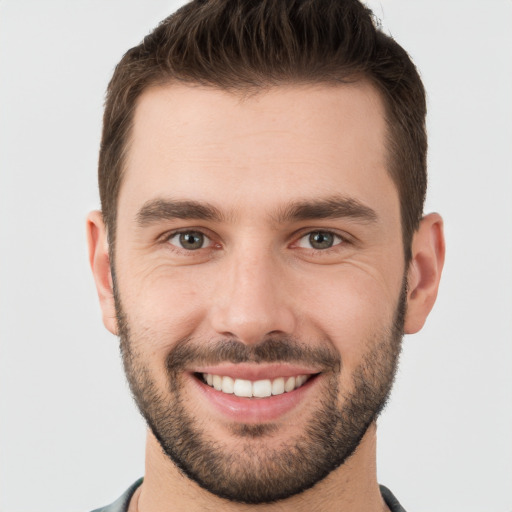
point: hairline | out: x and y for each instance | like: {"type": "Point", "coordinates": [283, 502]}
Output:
{"type": "Point", "coordinates": [244, 91]}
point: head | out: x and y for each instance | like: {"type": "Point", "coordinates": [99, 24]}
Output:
{"type": "Point", "coordinates": [262, 177]}
{"type": "Point", "coordinates": [251, 46]}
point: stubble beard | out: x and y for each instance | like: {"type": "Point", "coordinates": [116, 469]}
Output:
{"type": "Point", "coordinates": [252, 472]}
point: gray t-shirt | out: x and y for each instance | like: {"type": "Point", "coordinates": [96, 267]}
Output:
{"type": "Point", "coordinates": [121, 504]}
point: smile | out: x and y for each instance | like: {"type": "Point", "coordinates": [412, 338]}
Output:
{"type": "Point", "coordinates": [254, 393]}
{"type": "Point", "coordinates": [254, 389]}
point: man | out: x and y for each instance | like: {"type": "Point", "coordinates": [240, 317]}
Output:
{"type": "Point", "coordinates": [262, 249]}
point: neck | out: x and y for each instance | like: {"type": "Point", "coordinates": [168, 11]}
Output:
{"type": "Point", "coordinates": [353, 486]}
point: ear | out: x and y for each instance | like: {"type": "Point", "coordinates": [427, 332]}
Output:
{"type": "Point", "coordinates": [428, 249]}
{"type": "Point", "coordinates": [99, 260]}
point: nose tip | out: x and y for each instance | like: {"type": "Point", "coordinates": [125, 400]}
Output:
{"type": "Point", "coordinates": [253, 304]}
{"type": "Point", "coordinates": [251, 330]}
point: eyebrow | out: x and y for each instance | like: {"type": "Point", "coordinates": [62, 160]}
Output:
{"type": "Point", "coordinates": [330, 208]}
{"type": "Point", "coordinates": [334, 207]}
{"type": "Point", "coordinates": [167, 209]}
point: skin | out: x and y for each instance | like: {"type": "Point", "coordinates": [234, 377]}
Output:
{"type": "Point", "coordinates": [251, 157]}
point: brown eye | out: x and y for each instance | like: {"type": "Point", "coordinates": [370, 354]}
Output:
{"type": "Point", "coordinates": [189, 240]}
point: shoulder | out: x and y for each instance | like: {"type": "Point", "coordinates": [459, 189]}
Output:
{"type": "Point", "coordinates": [391, 501]}
{"type": "Point", "coordinates": [121, 504]}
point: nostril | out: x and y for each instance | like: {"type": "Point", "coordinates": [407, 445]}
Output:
{"type": "Point", "coordinates": [250, 321]}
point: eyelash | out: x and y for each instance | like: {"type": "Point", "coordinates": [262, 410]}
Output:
{"type": "Point", "coordinates": [188, 252]}
{"type": "Point", "coordinates": [339, 240]}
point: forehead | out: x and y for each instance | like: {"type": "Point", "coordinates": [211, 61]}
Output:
{"type": "Point", "coordinates": [233, 150]}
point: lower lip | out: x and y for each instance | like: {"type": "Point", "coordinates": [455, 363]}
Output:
{"type": "Point", "coordinates": [254, 410]}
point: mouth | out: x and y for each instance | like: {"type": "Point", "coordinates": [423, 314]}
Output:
{"type": "Point", "coordinates": [250, 394]}
{"type": "Point", "coordinates": [263, 388]}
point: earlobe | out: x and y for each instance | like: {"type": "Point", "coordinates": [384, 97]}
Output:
{"type": "Point", "coordinates": [99, 260]}
{"type": "Point", "coordinates": [424, 274]}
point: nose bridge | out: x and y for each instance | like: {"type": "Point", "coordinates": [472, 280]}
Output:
{"type": "Point", "coordinates": [252, 301]}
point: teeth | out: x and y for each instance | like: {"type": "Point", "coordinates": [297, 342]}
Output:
{"type": "Point", "coordinates": [289, 385]}
{"type": "Point", "coordinates": [242, 388]}
{"type": "Point", "coordinates": [217, 382]}
{"type": "Point", "coordinates": [258, 388]}
{"type": "Point", "coordinates": [262, 388]}
{"type": "Point", "coordinates": [228, 385]}
{"type": "Point", "coordinates": [300, 380]}
{"type": "Point", "coordinates": [278, 386]}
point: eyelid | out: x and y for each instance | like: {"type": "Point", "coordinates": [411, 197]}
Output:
{"type": "Point", "coordinates": [206, 239]}
{"type": "Point", "coordinates": [345, 237]}
{"type": "Point", "coordinates": [166, 238]}
{"type": "Point", "coordinates": [338, 239]}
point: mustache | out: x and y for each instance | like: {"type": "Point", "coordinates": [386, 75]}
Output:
{"type": "Point", "coordinates": [283, 349]}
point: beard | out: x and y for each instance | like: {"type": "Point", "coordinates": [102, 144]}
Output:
{"type": "Point", "coordinates": [249, 471]}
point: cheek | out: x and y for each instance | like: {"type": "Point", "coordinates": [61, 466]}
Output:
{"type": "Point", "coordinates": [355, 312]}
{"type": "Point", "coordinates": [352, 305]}
{"type": "Point", "coordinates": [163, 306]}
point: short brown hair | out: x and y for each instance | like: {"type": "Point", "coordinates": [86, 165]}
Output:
{"type": "Point", "coordinates": [255, 44]}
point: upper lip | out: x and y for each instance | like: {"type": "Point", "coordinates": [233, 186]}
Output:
{"type": "Point", "coordinates": [251, 371]}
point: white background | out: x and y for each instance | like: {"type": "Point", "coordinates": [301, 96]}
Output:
{"type": "Point", "coordinates": [70, 437]}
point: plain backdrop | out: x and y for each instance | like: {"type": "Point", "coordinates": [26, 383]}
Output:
{"type": "Point", "coordinates": [70, 436]}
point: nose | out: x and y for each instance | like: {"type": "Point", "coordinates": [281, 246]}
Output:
{"type": "Point", "coordinates": [253, 298]}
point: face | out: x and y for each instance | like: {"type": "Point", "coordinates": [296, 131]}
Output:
{"type": "Point", "coordinates": [259, 280]}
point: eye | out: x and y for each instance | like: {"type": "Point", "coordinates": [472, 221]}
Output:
{"type": "Point", "coordinates": [319, 240]}
{"type": "Point", "coordinates": [189, 240]}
